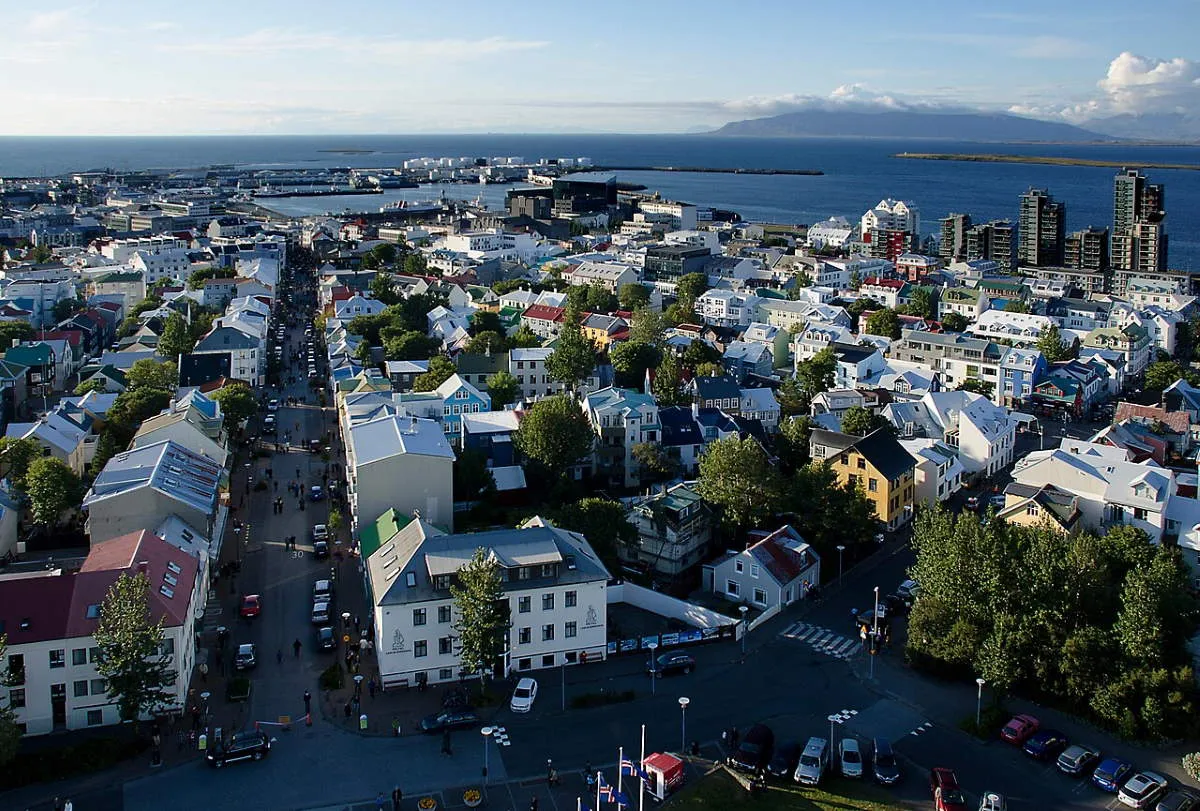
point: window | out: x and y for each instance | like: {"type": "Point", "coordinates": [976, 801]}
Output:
{"type": "Point", "coordinates": [78, 657]}
{"type": "Point", "coordinates": [738, 566]}
{"type": "Point", "coordinates": [547, 602]}
{"type": "Point", "coordinates": [548, 660]}
{"type": "Point", "coordinates": [760, 596]}
{"type": "Point", "coordinates": [873, 485]}
{"type": "Point", "coordinates": [547, 570]}
{"type": "Point", "coordinates": [861, 463]}
{"type": "Point", "coordinates": [732, 588]}
{"type": "Point", "coordinates": [524, 664]}
{"type": "Point", "coordinates": [443, 614]}
{"type": "Point", "coordinates": [16, 669]}
{"type": "Point", "coordinates": [16, 698]}
{"type": "Point", "coordinates": [441, 582]}
{"type": "Point", "coordinates": [167, 648]}
{"type": "Point", "coordinates": [98, 687]}
{"type": "Point", "coordinates": [445, 645]}
{"type": "Point", "coordinates": [547, 633]}
{"type": "Point", "coordinates": [572, 629]}
{"type": "Point", "coordinates": [570, 599]}
{"type": "Point", "coordinates": [755, 570]}
{"type": "Point", "coordinates": [58, 658]}
{"type": "Point", "coordinates": [95, 718]}
{"type": "Point", "coordinates": [524, 636]}
{"type": "Point", "coordinates": [418, 616]}
{"type": "Point", "coordinates": [420, 648]}
{"type": "Point", "coordinates": [446, 673]}
{"type": "Point", "coordinates": [523, 573]}
{"type": "Point", "coordinates": [1139, 513]}
{"type": "Point", "coordinates": [81, 688]}
{"type": "Point", "coordinates": [1032, 509]}
{"type": "Point", "coordinates": [461, 394]}
{"type": "Point", "coordinates": [524, 605]}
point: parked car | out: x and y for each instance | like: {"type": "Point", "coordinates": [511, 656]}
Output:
{"type": "Point", "coordinates": [524, 696]}
{"type": "Point", "coordinates": [943, 785]}
{"type": "Point", "coordinates": [326, 638]}
{"type": "Point", "coordinates": [1078, 759]}
{"type": "Point", "coordinates": [755, 749]}
{"type": "Point", "coordinates": [674, 662]}
{"type": "Point", "coordinates": [813, 763]}
{"type": "Point", "coordinates": [785, 759]}
{"type": "Point", "coordinates": [991, 801]}
{"type": "Point", "coordinates": [883, 764]}
{"type": "Point", "coordinates": [245, 658]}
{"type": "Point", "coordinates": [996, 501]}
{"type": "Point", "coordinates": [1111, 774]}
{"type": "Point", "coordinates": [1019, 729]}
{"type": "Point", "coordinates": [269, 423]}
{"type": "Point", "coordinates": [251, 605]}
{"type": "Point", "coordinates": [250, 745]}
{"type": "Point", "coordinates": [320, 532]}
{"type": "Point", "coordinates": [272, 406]}
{"type": "Point", "coordinates": [320, 549]}
{"type": "Point", "coordinates": [323, 590]}
{"type": "Point", "coordinates": [1179, 800]}
{"type": "Point", "coordinates": [460, 718]}
{"type": "Point", "coordinates": [850, 758]}
{"type": "Point", "coordinates": [1141, 790]}
{"type": "Point", "coordinates": [320, 612]}
{"type": "Point", "coordinates": [1045, 744]}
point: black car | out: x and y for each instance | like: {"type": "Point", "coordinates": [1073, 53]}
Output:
{"type": "Point", "coordinates": [1046, 744]}
{"type": "Point", "coordinates": [884, 765]}
{"type": "Point", "coordinates": [755, 750]}
{"type": "Point", "coordinates": [250, 745]}
{"type": "Point", "coordinates": [320, 549]}
{"type": "Point", "coordinates": [1179, 800]}
{"type": "Point", "coordinates": [783, 763]}
{"type": "Point", "coordinates": [461, 718]}
{"type": "Point", "coordinates": [326, 639]}
{"type": "Point", "coordinates": [675, 662]}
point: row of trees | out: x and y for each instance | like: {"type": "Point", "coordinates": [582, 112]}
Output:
{"type": "Point", "coordinates": [1098, 624]}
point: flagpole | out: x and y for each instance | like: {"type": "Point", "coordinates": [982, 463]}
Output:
{"type": "Point", "coordinates": [578, 804]}
{"type": "Point", "coordinates": [642, 765]}
{"type": "Point", "coordinates": [599, 777]}
{"type": "Point", "coordinates": [620, 771]}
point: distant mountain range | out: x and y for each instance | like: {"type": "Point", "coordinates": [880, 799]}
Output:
{"type": "Point", "coordinates": [956, 126]}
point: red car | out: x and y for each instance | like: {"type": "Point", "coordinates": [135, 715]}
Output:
{"type": "Point", "coordinates": [251, 605]}
{"type": "Point", "coordinates": [1019, 729]}
{"type": "Point", "coordinates": [947, 796]}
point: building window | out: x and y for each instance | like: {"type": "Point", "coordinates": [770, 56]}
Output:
{"type": "Point", "coordinates": [420, 648]}
{"type": "Point", "coordinates": [524, 605]}
{"type": "Point", "coordinates": [78, 656]}
{"type": "Point", "coordinates": [732, 588]}
{"type": "Point", "coordinates": [873, 485]}
{"type": "Point", "coordinates": [524, 664]}
{"type": "Point", "coordinates": [570, 599]}
{"type": "Point", "coordinates": [1139, 513]}
{"type": "Point", "coordinates": [93, 655]}
{"type": "Point", "coordinates": [16, 669]}
{"type": "Point", "coordinates": [445, 645]}
{"type": "Point", "coordinates": [547, 570]}
{"type": "Point", "coordinates": [524, 636]}
{"type": "Point", "coordinates": [861, 463]}
{"type": "Point", "coordinates": [755, 570]}
{"type": "Point", "coordinates": [571, 630]}
{"type": "Point", "coordinates": [548, 660]}
{"type": "Point", "coordinates": [58, 658]}
{"type": "Point", "coordinates": [16, 698]}
{"type": "Point", "coordinates": [760, 596]}
{"type": "Point", "coordinates": [547, 602]}
{"type": "Point", "coordinates": [445, 674]}
{"type": "Point", "coordinates": [95, 718]}
{"type": "Point", "coordinates": [418, 616]}
{"type": "Point", "coordinates": [443, 614]}
{"type": "Point", "coordinates": [738, 566]}
{"type": "Point", "coordinates": [547, 633]}
{"type": "Point", "coordinates": [81, 688]}
{"type": "Point", "coordinates": [98, 687]}
{"type": "Point", "coordinates": [523, 573]}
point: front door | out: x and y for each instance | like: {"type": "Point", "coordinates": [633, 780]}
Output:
{"type": "Point", "coordinates": [58, 705]}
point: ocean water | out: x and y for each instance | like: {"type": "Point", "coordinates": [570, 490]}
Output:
{"type": "Point", "coordinates": [858, 172]}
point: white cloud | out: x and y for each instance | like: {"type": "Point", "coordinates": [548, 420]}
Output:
{"type": "Point", "coordinates": [51, 22]}
{"type": "Point", "coordinates": [267, 41]}
{"type": "Point", "coordinates": [843, 97]}
{"type": "Point", "coordinates": [1139, 84]}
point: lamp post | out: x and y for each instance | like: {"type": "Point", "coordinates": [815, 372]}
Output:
{"type": "Point", "coordinates": [205, 696]}
{"type": "Point", "coordinates": [486, 732]}
{"type": "Point", "coordinates": [744, 610]}
{"type": "Point", "coordinates": [874, 633]}
{"type": "Point", "coordinates": [834, 719]}
{"type": "Point", "coordinates": [840, 548]}
{"type": "Point", "coordinates": [979, 701]}
{"type": "Point", "coordinates": [358, 680]}
{"type": "Point", "coordinates": [653, 646]}
{"type": "Point", "coordinates": [683, 705]}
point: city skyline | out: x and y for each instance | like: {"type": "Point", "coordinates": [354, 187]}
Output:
{"type": "Point", "coordinates": [130, 68]}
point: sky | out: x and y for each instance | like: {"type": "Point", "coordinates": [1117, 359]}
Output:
{"type": "Point", "coordinates": [128, 67]}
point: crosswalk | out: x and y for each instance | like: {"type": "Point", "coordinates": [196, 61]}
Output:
{"type": "Point", "coordinates": [823, 640]}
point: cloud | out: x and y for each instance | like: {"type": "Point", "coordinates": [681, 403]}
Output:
{"type": "Point", "coordinates": [1139, 84]}
{"type": "Point", "coordinates": [267, 41]}
{"type": "Point", "coordinates": [844, 97]}
{"type": "Point", "coordinates": [51, 22]}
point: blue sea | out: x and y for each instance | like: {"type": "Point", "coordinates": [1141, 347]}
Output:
{"type": "Point", "coordinates": [858, 172]}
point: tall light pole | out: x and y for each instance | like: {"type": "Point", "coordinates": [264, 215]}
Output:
{"type": "Point", "coordinates": [979, 701]}
{"type": "Point", "coordinates": [836, 718]}
{"type": "Point", "coordinates": [683, 705]}
{"type": "Point", "coordinates": [840, 548]}
{"type": "Point", "coordinates": [653, 646]}
{"type": "Point", "coordinates": [874, 634]}
{"type": "Point", "coordinates": [486, 732]}
{"type": "Point", "coordinates": [743, 610]}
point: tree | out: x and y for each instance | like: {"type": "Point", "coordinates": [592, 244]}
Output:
{"type": "Point", "coordinates": [555, 433]}
{"type": "Point", "coordinates": [52, 487]}
{"type": "Point", "coordinates": [793, 400]}
{"type": "Point", "coordinates": [884, 322]}
{"type": "Point", "coordinates": [1015, 305]}
{"type": "Point", "coordinates": [151, 374]}
{"type": "Point", "coordinates": [368, 326]}
{"type": "Point", "coordinates": [862, 421]}
{"type": "Point", "coordinates": [920, 303]}
{"type": "Point", "coordinates": [237, 402]}
{"type": "Point", "coordinates": [411, 345]}
{"type": "Point", "coordinates": [599, 299]}
{"type": "Point", "coordinates": [14, 331]}
{"type": "Point", "coordinates": [602, 521]}
{"type": "Point", "coordinates": [202, 322]}
{"type": "Point", "coordinates": [647, 326]}
{"type": "Point", "coordinates": [383, 288]}
{"type": "Point", "coordinates": [65, 308]}
{"type": "Point", "coordinates": [481, 613]}
{"type": "Point", "coordinates": [736, 476]}
{"type": "Point", "coordinates": [633, 296]}
{"type": "Point", "coordinates": [486, 321]}
{"type": "Point", "coordinates": [655, 463]}
{"type": "Point", "coordinates": [415, 265]}
{"type": "Point", "coordinates": [667, 385]}
{"type": "Point", "coordinates": [574, 356]}
{"type": "Point", "coordinates": [473, 480]}
{"type": "Point", "coordinates": [10, 733]}
{"type": "Point", "coordinates": [1051, 346]}
{"type": "Point", "coordinates": [503, 388]}
{"type": "Point", "coordinates": [792, 441]}
{"type": "Point", "coordinates": [16, 455]}
{"type": "Point", "coordinates": [95, 384]}
{"type": "Point", "coordinates": [487, 343]}
{"type": "Point", "coordinates": [699, 352]}
{"type": "Point", "coordinates": [631, 360]}
{"type": "Point", "coordinates": [710, 369]}
{"type": "Point", "coordinates": [175, 339]}
{"type": "Point", "coordinates": [524, 338]}
{"type": "Point", "coordinates": [334, 521]}
{"type": "Point", "coordinates": [441, 369]}
{"type": "Point", "coordinates": [954, 322]}
{"type": "Point", "coordinates": [817, 373]}
{"type": "Point", "coordinates": [977, 385]}
{"type": "Point", "coordinates": [855, 280]}
{"type": "Point", "coordinates": [690, 287]}
{"type": "Point", "coordinates": [1164, 374]}
{"type": "Point", "coordinates": [132, 663]}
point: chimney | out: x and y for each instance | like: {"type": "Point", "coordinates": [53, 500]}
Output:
{"type": "Point", "coordinates": [143, 567]}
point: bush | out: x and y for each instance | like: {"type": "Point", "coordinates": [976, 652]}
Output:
{"type": "Point", "coordinates": [601, 699]}
{"type": "Point", "coordinates": [332, 677]}
{"type": "Point", "coordinates": [991, 719]}
{"type": "Point", "coordinates": [1191, 765]}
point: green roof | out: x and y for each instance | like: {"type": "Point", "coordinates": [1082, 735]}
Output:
{"type": "Point", "coordinates": [383, 530]}
{"type": "Point", "coordinates": [29, 355]}
{"type": "Point", "coordinates": [118, 276]}
{"type": "Point", "coordinates": [768, 292]}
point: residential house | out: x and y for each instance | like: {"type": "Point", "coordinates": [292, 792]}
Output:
{"type": "Point", "coordinates": [1133, 341]}
{"type": "Point", "coordinates": [816, 337]}
{"type": "Point", "coordinates": [603, 330]}
{"type": "Point", "coordinates": [776, 570]}
{"type": "Point", "coordinates": [544, 321]}
{"type": "Point", "coordinates": [491, 435]}
{"type": "Point", "coordinates": [878, 463]}
{"type": "Point", "coordinates": [609, 275]}
{"type": "Point", "coordinates": [1016, 329]}
{"type": "Point", "coordinates": [1035, 506]}
{"type": "Point", "coordinates": [721, 393]}
{"type": "Point", "coordinates": [725, 308]}
{"type": "Point", "coordinates": [762, 405]}
{"type": "Point", "coordinates": [476, 367]}
{"type": "Point", "coordinates": [983, 433]}
{"type": "Point", "coordinates": [357, 305]}
{"type": "Point", "coordinates": [1020, 371]}
{"type": "Point", "coordinates": [129, 284]}
{"type": "Point", "coordinates": [402, 373]}
{"type": "Point", "coordinates": [621, 419]}
{"type": "Point", "coordinates": [966, 301]}
{"type": "Point", "coordinates": [682, 439]}
{"type": "Point", "coordinates": [855, 364]}
{"type": "Point", "coordinates": [246, 356]}
{"type": "Point", "coordinates": [957, 358]}
{"type": "Point", "coordinates": [528, 366]}
{"type": "Point", "coordinates": [742, 359]}
{"type": "Point", "coordinates": [188, 427]}
{"type": "Point", "coordinates": [674, 527]}
{"type": "Point", "coordinates": [64, 433]}
{"type": "Point", "coordinates": [939, 473]}
{"type": "Point", "coordinates": [888, 292]}
{"type": "Point", "coordinates": [1069, 387]}
{"type": "Point", "coordinates": [774, 338]}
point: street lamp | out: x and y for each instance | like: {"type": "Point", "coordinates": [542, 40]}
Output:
{"type": "Point", "coordinates": [743, 610]}
{"type": "Point", "coordinates": [205, 696]}
{"type": "Point", "coordinates": [358, 680]}
{"type": "Point", "coordinates": [683, 705]}
{"type": "Point", "coordinates": [653, 646]}
{"type": "Point", "coordinates": [874, 633]}
{"type": "Point", "coordinates": [486, 732]}
{"type": "Point", "coordinates": [979, 701]}
{"type": "Point", "coordinates": [840, 548]}
{"type": "Point", "coordinates": [838, 719]}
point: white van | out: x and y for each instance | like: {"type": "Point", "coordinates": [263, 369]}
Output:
{"type": "Point", "coordinates": [814, 760]}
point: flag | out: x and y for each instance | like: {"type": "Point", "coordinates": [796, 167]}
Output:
{"type": "Point", "coordinates": [642, 773]}
{"type": "Point", "coordinates": [606, 791]}
{"type": "Point", "coordinates": [620, 798]}
{"type": "Point", "coordinates": [627, 767]}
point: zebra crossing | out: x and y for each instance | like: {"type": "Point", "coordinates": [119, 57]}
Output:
{"type": "Point", "coordinates": [823, 640]}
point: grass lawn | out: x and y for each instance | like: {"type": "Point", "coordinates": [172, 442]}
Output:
{"type": "Point", "coordinates": [719, 790]}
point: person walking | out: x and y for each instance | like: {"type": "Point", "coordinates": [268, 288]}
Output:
{"type": "Point", "coordinates": [307, 702]}
{"type": "Point", "coordinates": [296, 646]}
{"type": "Point", "coordinates": [371, 687]}
{"type": "Point", "coordinates": [397, 796]}
{"type": "Point", "coordinates": [379, 801]}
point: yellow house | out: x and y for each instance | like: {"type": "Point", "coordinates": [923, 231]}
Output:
{"type": "Point", "coordinates": [1033, 506]}
{"type": "Point", "coordinates": [882, 468]}
{"type": "Point", "coordinates": [602, 329]}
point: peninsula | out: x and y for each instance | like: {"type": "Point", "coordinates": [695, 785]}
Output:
{"type": "Point", "coordinates": [1046, 159]}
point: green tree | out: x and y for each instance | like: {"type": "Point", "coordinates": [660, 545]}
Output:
{"type": "Point", "coordinates": [1164, 374]}
{"type": "Point", "coordinates": [175, 339]}
{"type": "Point", "coordinates": [481, 613]}
{"type": "Point", "coordinates": [411, 345]}
{"type": "Point", "coordinates": [132, 663]}
{"type": "Point", "coordinates": [791, 443]}
{"type": "Point", "coordinates": [503, 388]}
{"type": "Point", "coordinates": [817, 373]}
{"type": "Point", "coordinates": [793, 400]}
{"type": "Point", "coordinates": [415, 265]}
{"type": "Point", "coordinates": [65, 308]}
{"type": "Point", "coordinates": [237, 402]}
{"type": "Point", "coordinates": [602, 521]}
{"type": "Point", "coordinates": [633, 296]}
{"type": "Point", "coordinates": [920, 303]}
{"type": "Point", "coordinates": [52, 487]}
{"type": "Point", "coordinates": [954, 322]}
{"type": "Point", "coordinates": [334, 521]}
{"type": "Point", "coordinates": [855, 280]}
{"type": "Point", "coordinates": [383, 288]}
{"type": "Point", "coordinates": [14, 331]}
{"type": "Point", "coordinates": [690, 287]}
{"type": "Point", "coordinates": [473, 480]}
{"type": "Point", "coordinates": [152, 374]}
{"type": "Point", "coordinates": [710, 370]}
{"type": "Point", "coordinates": [1015, 305]}
{"type": "Point", "coordinates": [862, 421]}
{"type": "Point", "coordinates": [524, 338]}
{"type": "Point", "coordinates": [441, 369]}
{"type": "Point", "coordinates": [487, 343]}
{"type": "Point", "coordinates": [574, 356]}
{"type": "Point", "coordinates": [10, 733]}
{"type": "Point", "coordinates": [95, 384]}
{"type": "Point", "coordinates": [654, 463]}
{"type": "Point", "coordinates": [631, 360]}
{"type": "Point", "coordinates": [1051, 346]}
{"type": "Point", "coordinates": [884, 322]}
{"type": "Point", "coordinates": [600, 300]}
{"type": "Point", "coordinates": [699, 352]}
{"type": "Point", "coordinates": [647, 326]}
{"type": "Point", "coordinates": [667, 385]}
{"type": "Point", "coordinates": [16, 455]}
{"type": "Point", "coordinates": [555, 433]}
{"type": "Point", "coordinates": [486, 321]}
{"type": "Point", "coordinates": [368, 326]}
{"type": "Point", "coordinates": [202, 322]}
{"type": "Point", "coordinates": [736, 476]}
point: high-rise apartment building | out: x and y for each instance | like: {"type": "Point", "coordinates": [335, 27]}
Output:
{"type": "Point", "coordinates": [1042, 226]}
{"type": "Point", "coordinates": [1087, 249]}
{"type": "Point", "coordinates": [953, 244]}
{"type": "Point", "coordinates": [993, 240]}
{"type": "Point", "coordinates": [1138, 241]}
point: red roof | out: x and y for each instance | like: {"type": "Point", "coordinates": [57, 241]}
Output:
{"type": "Point", "coordinates": [784, 564]}
{"type": "Point", "coordinates": [893, 284]}
{"type": "Point", "coordinates": [71, 336]}
{"type": "Point", "coordinates": [340, 293]}
{"type": "Point", "coordinates": [544, 312]}
{"type": "Point", "coordinates": [109, 305]}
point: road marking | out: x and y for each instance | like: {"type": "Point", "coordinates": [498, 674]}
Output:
{"type": "Point", "coordinates": [823, 640]}
{"type": "Point", "coordinates": [925, 727]}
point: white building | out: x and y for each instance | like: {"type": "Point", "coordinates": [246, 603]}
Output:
{"type": "Point", "coordinates": [609, 275]}
{"type": "Point", "coordinates": [938, 474]}
{"type": "Point", "coordinates": [773, 572]}
{"type": "Point", "coordinates": [677, 216]}
{"type": "Point", "coordinates": [831, 233]}
{"type": "Point", "coordinates": [725, 308]}
{"type": "Point", "coordinates": [983, 432]}
{"type": "Point", "coordinates": [889, 214]}
{"type": "Point", "coordinates": [528, 366]}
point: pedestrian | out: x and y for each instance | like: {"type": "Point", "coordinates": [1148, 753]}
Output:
{"type": "Point", "coordinates": [346, 710]}
{"type": "Point", "coordinates": [446, 750]}
{"type": "Point", "coordinates": [371, 687]}
{"type": "Point", "coordinates": [276, 487]}
{"type": "Point", "coordinates": [552, 778]}
{"type": "Point", "coordinates": [279, 656]}
{"type": "Point", "coordinates": [356, 624]}
{"type": "Point", "coordinates": [68, 805]}
{"type": "Point", "coordinates": [395, 726]}
{"type": "Point", "coordinates": [355, 705]}
{"type": "Point", "coordinates": [397, 796]}
{"type": "Point", "coordinates": [379, 801]}
{"type": "Point", "coordinates": [533, 804]}
{"type": "Point", "coordinates": [57, 804]}
{"type": "Point", "coordinates": [203, 672]}
{"type": "Point", "coordinates": [307, 702]}
{"type": "Point", "coordinates": [296, 646]}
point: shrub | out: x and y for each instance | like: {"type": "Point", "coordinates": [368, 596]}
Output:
{"type": "Point", "coordinates": [1191, 765]}
{"type": "Point", "coordinates": [332, 677]}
